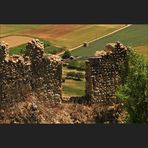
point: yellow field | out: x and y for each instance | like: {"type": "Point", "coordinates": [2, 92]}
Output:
{"type": "Point", "coordinates": [143, 50]}
{"type": "Point", "coordinates": [72, 87]}
{"type": "Point", "coordinates": [18, 40]}
{"type": "Point", "coordinates": [84, 34]}
{"type": "Point", "coordinates": [65, 35]}
{"type": "Point", "coordinates": [13, 29]}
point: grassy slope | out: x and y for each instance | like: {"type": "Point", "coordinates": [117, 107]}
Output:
{"type": "Point", "coordinates": [86, 33]}
{"type": "Point", "coordinates": [134, 36]}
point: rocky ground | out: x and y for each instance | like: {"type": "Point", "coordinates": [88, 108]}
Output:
{"type": "Point", "coordinates": [36, 111]}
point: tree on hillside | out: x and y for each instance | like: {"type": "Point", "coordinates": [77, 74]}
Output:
{"type": "Point", "coordinates": [133, 92]}
{"type": "Point", "coordinates": [66, 55]}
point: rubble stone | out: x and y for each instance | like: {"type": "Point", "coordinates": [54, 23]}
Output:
{"type": "Point", "coordinates": [103, 73]}
{"type": "Point", "coordinates": [20, 75]}
{"type": "Point", "coordinates": [42, 74]}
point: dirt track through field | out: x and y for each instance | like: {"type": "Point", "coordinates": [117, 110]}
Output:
{"type": "Point", "coordinates": [98, 38]}
{"type": "Point", "coordinates": [14, 41]}
{"type": "Point", "coordinates": [48, 32]}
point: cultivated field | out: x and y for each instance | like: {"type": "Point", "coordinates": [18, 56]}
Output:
{"type": "Point", "coordinates": [84, 33]}
{"type": "Point", "coordinates": [65, 35]}
{"type": "Point", "coordinates": [71, 35]}
{"type": "Point", "coordinates": [13, 29]}
{"type": "Point", "coordinates": [72, 87]}
{"type": "Point", "coordinates": [135, 36]}
{"type": "Point", "coordinates": [14, 41]}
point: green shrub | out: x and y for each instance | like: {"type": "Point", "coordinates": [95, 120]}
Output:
{"type": "Point", "coordinates": [70, 75]}
{"type": "Point", "coordinates": [79, 75]}
{"type": "Point", "coordinates": [48, 47]}
{"type": "Point", "coordinates": [78, 65]}
{"type": "Point", "coordinates": [17, 50]}
{"type": "Point", "coordinates": [53, 50]}
{"type": "Point", "coordinates": [66, 55]}
{"type": "Point", "coordinates": [75, 75]}
{"type": "Point", "coordinates": [46, 43]}
{"type": "Point", "coordinates": [133, 92]}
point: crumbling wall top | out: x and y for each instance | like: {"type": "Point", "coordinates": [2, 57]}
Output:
{"type": "Point", "coordinates": [35, 43]}
{"type": "Point", "coordinates": [55, 59]}
{"type": "Point", "coordinates": [34, 53]}
{"type": "Point", "coordinates": [111, 48]}
{"type": "Point", "coordinates": [35, 50]}
{"type": "Point", "coordinates": [3, 50]}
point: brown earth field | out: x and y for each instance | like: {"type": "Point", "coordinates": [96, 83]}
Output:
{"type": "Point", "coordinates": [18, 40]}
{"type": "Point", "coordinates": [65, 35]}
{"type": "Point", "coordinates": [47, 32]}
{"type": "Point", "coordinates": [53, 31]}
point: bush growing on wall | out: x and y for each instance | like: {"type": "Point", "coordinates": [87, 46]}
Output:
{"type": "Point", "coordinates": [134, 90]}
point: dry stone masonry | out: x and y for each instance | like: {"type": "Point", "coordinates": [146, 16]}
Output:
{"type": "Point", "coordinates": [32, 72]}
{"type": "Point", "coordinates": [46, 71]}
{"type": "Point", "coordinates": [103, 73]}
{"type": "Point", "coordinates": [35, 72]}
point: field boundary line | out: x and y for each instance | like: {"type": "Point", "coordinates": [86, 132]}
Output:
{"type": "Point", "coordinates": [99, 38]}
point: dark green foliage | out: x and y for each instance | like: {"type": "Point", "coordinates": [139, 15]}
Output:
{"type": "Point", "coordinates": [17, 50]}
{"type": "Point", "coordinates": [75, 75]}
{"type": "Point", "coordinates": [53, 50]}
{"type": "Point", "coordinates": [70, 74]}
{"type": "Point", "coordinates": [78, 65]}
{"type": "Point", "coordinates": [66, 55]}
{"type": "Point", "coordinates": [46, 43]}
{"type": "Point", "coordinates": [49, 48]}
{"type": "Point", "coordinates": [134, 90]}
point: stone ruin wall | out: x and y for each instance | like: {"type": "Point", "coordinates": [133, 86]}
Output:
{"type": "Point", "coordinates": [32, 72]}
{"type": "Point", "coordinates": [42, 74]}
{"type": "Point", "coordinates": [103, 73]}
{"type": "Point", "coordinates": [46, 72]}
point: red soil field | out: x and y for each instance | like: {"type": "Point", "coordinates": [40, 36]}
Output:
{"type": "Point", "coordinates": [52, 31]}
